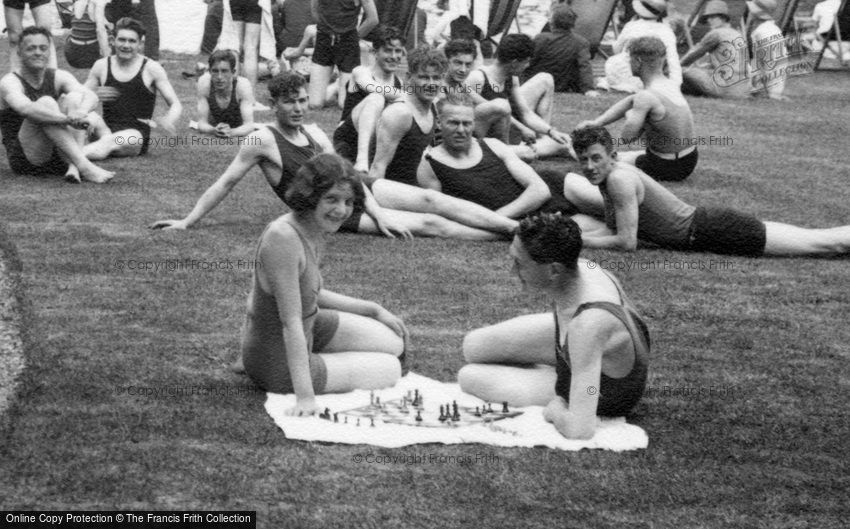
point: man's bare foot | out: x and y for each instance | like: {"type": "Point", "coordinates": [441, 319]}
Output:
{"type": "Point", "coordinates": [72, 176]}
{"type": "Point", "coordinates": [97, 175]}
{"type": "Point", "coordinates": [292, 53]}
{"type": "Point", "coordinates": [237, 366]}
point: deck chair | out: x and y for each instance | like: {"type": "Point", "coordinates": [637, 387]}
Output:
{"type": "Point", "coordinates": [784, 16]}
{"type": "Point", "coordinates": [840, 26]}
{"type": "Point", "coordinates": [593, 18]}
{"type": "Point", "coordinates": [502, 13]}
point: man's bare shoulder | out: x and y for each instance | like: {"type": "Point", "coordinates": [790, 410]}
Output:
{"type": "Point", "coordinates": [646, 98]}
{"type": "Point", "coordinates": [98, 67]}
{"type": "Point", "coordinates": [397, 115]}
{"type": "Point", "coordinates": [243, 85]}
{"type": "Point", "coordinates": [66, 80]}
{"type": "Point", "coordinates": [262, 136]}
{"type": "Point", "coordinates": [155, 70]}
{"type": "Point", "coordinates": [314, 130]}
{"type": "Point", "coordinates": [624, 177]}
{"type": "Point", "coordinates": [11, 81]}
{"type": "Point", "coordinates": [496, 145]}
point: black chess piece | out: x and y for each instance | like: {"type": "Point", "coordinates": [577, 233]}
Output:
{"type": "Point", "coordinates": [419, 416]}
{"type": "Point", "coordinates": [371, 421]}
{"type": "Point", "coordinates": [477, 412]}
{"type": "Point", "coordinates": [505, 407]}
{"type": "Point", "coordinates": [336, 417]}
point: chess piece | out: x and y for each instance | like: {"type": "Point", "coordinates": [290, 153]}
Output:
{"type": "Point", "coordinates": [372, 421]}
{"type": "Point", "coordinates": [477, 412]}
{"type": "Point", "coordinates": [442, 415]}
{"type": "Point", "coordinates": [505, 407]}
{"type": "Point", "coordinates": [358, 421]}
{"type": "Point", "coordinates": [489, 407]}
{"type": "Point", "coordinates": [346, 420]}
{"type": "Point", "coordinates": [419, 416]}
{"type": "Point", "coordinates": [371, 398]}
{"type": "Point", "coordinates": [336, 417]}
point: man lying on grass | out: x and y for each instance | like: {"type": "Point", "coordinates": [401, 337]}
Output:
{"type": "Point", "coordinates": [299, 337]}
{"type": "Point", "coordinates": [639, 208]}
{"type": "Point", "coordinates": [488, 172]}
{"type": "Point", "coordinates": [282, 148]}
{"type": "Point", "coordinates": [597, 362]}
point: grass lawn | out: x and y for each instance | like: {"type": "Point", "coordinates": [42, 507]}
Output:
{"type": "Point", "coordinates": [747, 412]}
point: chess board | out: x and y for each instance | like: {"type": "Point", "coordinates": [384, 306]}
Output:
{"type": "Point", "coordinates": [403, 411]}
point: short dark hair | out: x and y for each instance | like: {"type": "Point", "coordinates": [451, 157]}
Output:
{"type": "Point", "coordinates": [551, 238]}
{"type": "Point", "coordinates": [35, 30]}
{"type": "Point", "coordinates": [286, 84]}
{"type": "Point", "coordinates": [515, 47]}
{"type": "Point", "coordinates": [584, 138]}
{"type": "Point", "coordinates": [385, 34]}
{"type": "Point", "coordinates": [460, 47]}
{"type": "Point", "coordinates": [316, 177]}
{"type": "Point", "coordinates": [425, 56]}
{"type": "Point", "coordinates": [563, 17]}
{"type": "Point", "coordinates": [647, 47]}
{"type": "Point", "coordinates": [129, 23]}
{"type": "Point", "coordinates": [222, 55]}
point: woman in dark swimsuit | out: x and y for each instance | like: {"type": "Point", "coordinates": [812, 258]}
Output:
{"type": "Point", "coordinates": [298, 337]}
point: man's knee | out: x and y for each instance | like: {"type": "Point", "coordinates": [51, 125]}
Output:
{"type": "Point", "coordinates": [473, 344]}
{"type": "Point", "coordinates": [71, 101]}
{"type": "Point", "coordinates": [496, 108]}
{"type": "Point", "coordinates": [48, 103]}
{"type": "Point", "coordinates": [430, 200]}
{"type": "Point", "coordinates": [373, 100]}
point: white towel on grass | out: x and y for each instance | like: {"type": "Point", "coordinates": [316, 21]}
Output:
{"type": "Point", "coordinates": [526, 430]}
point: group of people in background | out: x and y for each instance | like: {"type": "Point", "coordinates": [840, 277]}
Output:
{"type": "Point", "coordinates": [440, 150]}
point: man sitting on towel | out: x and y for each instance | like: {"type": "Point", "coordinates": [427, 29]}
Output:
{"type": "Point", "coordinates": [588, 357]}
